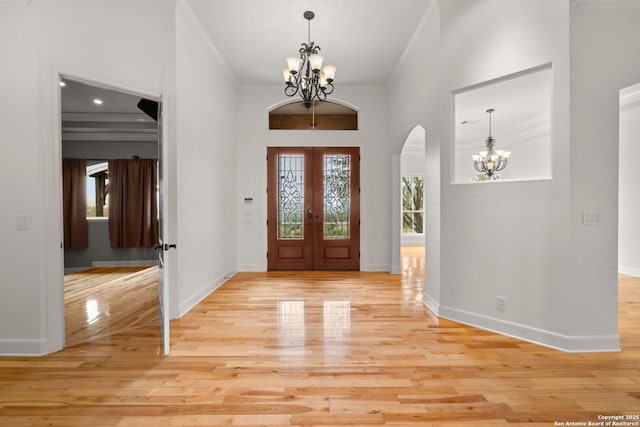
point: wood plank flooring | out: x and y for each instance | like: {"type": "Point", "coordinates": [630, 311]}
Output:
{"type": "Point", "coordinates": [322, 349]}
{"type": "Point", "coordinates": [102, 301]}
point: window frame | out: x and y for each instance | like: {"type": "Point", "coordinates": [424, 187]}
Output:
{"type": "Point", "coordinates": [99, 167]}
{"type": "Point", "coordinates": [411, 211]}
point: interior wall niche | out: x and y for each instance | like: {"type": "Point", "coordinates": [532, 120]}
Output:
{"type": "Point", "coordinates": [323, 115]}
{"type": "Point", "coordinates": [521, 124]}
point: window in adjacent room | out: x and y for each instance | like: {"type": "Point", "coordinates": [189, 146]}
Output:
{"type": "Point", "coordinates": [412, 204]}
{"type": "Point", "coordinates": [97, 190]}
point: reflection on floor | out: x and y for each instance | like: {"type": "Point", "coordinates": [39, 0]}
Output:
{"type": "Point", "coordinates": [102, 301]}
{"type": "Point", "coordinates": [321, 348]}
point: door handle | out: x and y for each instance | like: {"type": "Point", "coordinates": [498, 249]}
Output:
{"type": "Point", "coordinates": [164, 247]}
{"type": "Point", "coordinates": [309, 213]}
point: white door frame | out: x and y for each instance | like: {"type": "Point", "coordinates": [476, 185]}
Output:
{"type": "Point", "coordinates": [52, 306]}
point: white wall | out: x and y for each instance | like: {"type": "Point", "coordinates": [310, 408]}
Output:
{"type": "Point", "coordinates": [206, 158]}
{"type": "Point", "coordinates": [128, 45]}
{"type": "Point", "coordinates": [372, 137]}
{"type": "Point", "coordinates": [629, 192]}
{"type": "Point", "coordinates": [21, 259]}
{"type": "Point", "coordinates": [529, 257]}
{"type": "Point", "coordinates": [509, 239]}
{"type": "Point", "coordinates": [145, 46]}
{"type": "Point", "coordinates": [412, 162]}
{"type": "Point", "coordinates": [594, 129]}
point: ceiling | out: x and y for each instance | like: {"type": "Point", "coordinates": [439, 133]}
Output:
{"type": "Point", "coordinates": [117, 119]}
{"type": "Point", "coordinates": [364, 39]}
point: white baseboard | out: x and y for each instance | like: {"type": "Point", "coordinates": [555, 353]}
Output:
{"type": "Point", "coordinates": [567, 343]}
{"type": "Point", "coordinates": [252, 268]}
{"type": "Point", "coordinates": [72, 270]}
{"type": "Point", "coordinates": [395, 269]}
{"type": "Point", "coordinates": [195, 299]}
{"type": "Point", "coordinates": [412, 240]}
{"type": "Point", "coordinates": [374, 268]}
{"type": "Point", "coordinates": [635, 272]}
{"type": "Point", "coordinates": [141, 263]}
{"type": "Point", "coordinates": [19, 347]}
{"type": "Point", "coordinates": [431, 304]}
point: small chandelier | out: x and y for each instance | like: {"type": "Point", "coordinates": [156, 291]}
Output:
{"type": "Point", "coordinates": [490, 161]}
{"type": "Point", "coordinates": [305, 74]}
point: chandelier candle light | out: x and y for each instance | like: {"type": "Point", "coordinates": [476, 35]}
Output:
{"type": "Point", "coordinates": [490, 161]}
{"type": "Point", "coordinates": [305, 74]}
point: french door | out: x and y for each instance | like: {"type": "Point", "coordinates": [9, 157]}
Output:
{"type": "Point", "coordinates": [313, 208]}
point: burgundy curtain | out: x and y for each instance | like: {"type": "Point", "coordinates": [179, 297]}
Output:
{"type": "Point", "coordinates": [133, 211]}
{"type": "Point", "coordinates": [74, 203]}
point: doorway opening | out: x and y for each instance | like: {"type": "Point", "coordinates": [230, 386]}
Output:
{"type": "Point", "coordinates": [313, 208]}
{"type": "Point", "coordinates": [108, 289]}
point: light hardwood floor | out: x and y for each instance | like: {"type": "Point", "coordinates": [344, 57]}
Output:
{"type": "Point", "coordinates": [103, 301]}
{"type": "Point", "coordinates": [320, 349]}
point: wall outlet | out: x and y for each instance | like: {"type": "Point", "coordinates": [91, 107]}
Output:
{"type": "Point", "coordinates": [501, 304]}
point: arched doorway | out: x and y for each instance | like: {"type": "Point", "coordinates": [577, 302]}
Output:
{"type": "Point", "coordinates": [418, 151]}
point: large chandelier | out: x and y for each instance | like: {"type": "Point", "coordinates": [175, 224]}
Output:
{"type": "Point", "coordinates": [305, 74]}
{"type": "Point", "coordinates": [490, 161]}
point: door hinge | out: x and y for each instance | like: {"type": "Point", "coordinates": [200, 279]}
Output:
{"type": "Point", "coordinates": [267, 223]}
{"type": "Point", "coordinates": [267, 255]}
{"type": "Point", "coordinates": [359, 223]}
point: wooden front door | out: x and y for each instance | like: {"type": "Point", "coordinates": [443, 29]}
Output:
{"type": "Point", "coordinates": [313, 208]}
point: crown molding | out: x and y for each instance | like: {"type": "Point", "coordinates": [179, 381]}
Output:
{"type": "Point", "coordinates": [188, 12]}
{"type": "Point", "coordinates": [608, 4]}
{"type": "Point", "coordinates": [431, 13]}
{"type": "Point", "coordinates": [630, 98]}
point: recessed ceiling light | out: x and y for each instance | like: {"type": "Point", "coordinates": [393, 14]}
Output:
{"type": "Point", "coordinates": [97, 101]}
{"type": "Point", "coordinates": [62, 84]}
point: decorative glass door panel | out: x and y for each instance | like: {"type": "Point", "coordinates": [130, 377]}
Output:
{"type": "Point", "coordinates": [290, 197]}
{"type": "Point", "coordinates": [337, 196]}
{"type": "Point", "coordinates": [313, 208]}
